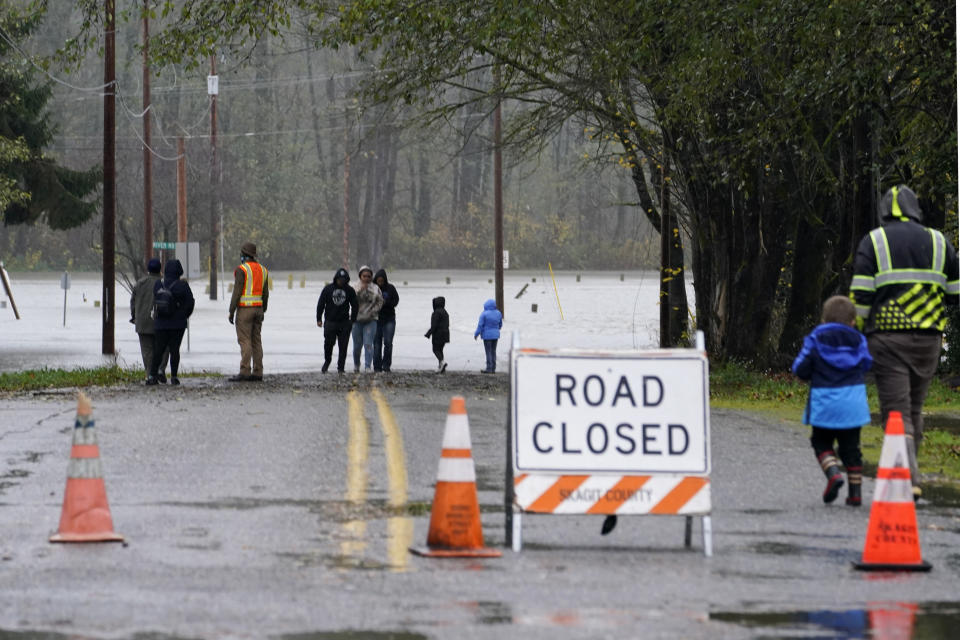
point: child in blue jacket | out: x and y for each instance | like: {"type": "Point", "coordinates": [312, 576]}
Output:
{"type": "Point", "coordinates": [834, 358]}
{"type": "Point", "coordinates": [488, 328]}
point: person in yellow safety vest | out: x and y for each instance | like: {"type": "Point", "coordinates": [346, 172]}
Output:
{"type": "Point", "coordinates": [249, 302]}
{"type": "Point", "coordinates": [904, 275]}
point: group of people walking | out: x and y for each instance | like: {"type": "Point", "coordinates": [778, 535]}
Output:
{"type": "Point", "coordinates": [366, 312]}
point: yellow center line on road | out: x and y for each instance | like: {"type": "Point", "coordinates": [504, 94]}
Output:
{"type": "Point", "coordinates": [358, 449]}
{"type": "Point", "coordinates": [399, 528]}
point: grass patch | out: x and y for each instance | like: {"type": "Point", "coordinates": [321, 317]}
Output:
{"type": "Point", "coordinates": [783, 396]}
{"type": "Point", "coordinates": [37, 379]}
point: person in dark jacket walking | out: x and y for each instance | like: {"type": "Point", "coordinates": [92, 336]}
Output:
{"type": "Point", "coordinates": [905, 275]}
{"type": "Point", "coordinates": [141, 316]}
{"type": "Point", "coordinates": [834, 358]}
{"type": "Point", "coordinates": [488, 328]}
{"type": "Point", "coordinates": [169, 329]}
{"type": "Point", "coordinates": [386, 323]}
{"type": "Point", "coordinates": [337, 307]}
{"type": "Point", "coordinates": [439, 331]}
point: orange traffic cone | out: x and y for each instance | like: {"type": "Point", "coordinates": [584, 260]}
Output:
{"type": "Point", "coordinates": [893, 542]}
{"type": "Point", "coordinates": [455, 529]}
{"type": "Point", "coordinates": [86, 514]}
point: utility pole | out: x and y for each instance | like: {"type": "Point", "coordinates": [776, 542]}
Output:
{"type": "Point", "coordinates": [213, 89]}
{"type": "Point", "coordinates": [346, 198]}
{"type": "Point", "coordinates": [181, 190]}
{"type": "Point", "coordinates": [498, 205]}
{"type": "Point", "coordinates": [147, 153]}
{"type": "Point", "coordinates": [109, 176]}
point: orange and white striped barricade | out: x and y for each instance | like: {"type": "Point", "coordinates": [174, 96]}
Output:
{"type": "Point", "coordinates": [612, 432]}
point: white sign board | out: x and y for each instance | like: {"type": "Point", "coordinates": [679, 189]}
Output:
{"type": "Point", "coordinates": [188, 253]}
{"type": "Point", "coordinates": [624, 412]}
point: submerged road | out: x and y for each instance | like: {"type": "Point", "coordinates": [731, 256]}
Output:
{"type": "Point", "coordinates": [286, 509]}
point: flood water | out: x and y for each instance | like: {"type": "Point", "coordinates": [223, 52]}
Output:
{"type": "Point", "coordinates": [586, 310]}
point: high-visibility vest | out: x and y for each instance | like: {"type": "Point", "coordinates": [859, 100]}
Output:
{"type": "Point", "coordinates": [920, 289]}
{"type": "Point", "coordinates": [255, 277]}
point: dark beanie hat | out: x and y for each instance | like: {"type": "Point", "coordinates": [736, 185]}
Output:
{"type": "Point", "coordinates": [249, 249]}
{"type": "Point", "coordinates": [153, 266]}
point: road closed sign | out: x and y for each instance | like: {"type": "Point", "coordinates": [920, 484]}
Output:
{"type": "Point", "coordinates": [632, 413]}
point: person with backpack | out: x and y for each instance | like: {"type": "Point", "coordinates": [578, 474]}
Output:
{"type": "Point", "coordinates": [141, 317]}
{"type": "Point", "coordinates": [172, 305]}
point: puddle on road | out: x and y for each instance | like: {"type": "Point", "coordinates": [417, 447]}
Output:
{"type": "Point", "coordinates": [354, 635]}
{"type": "Point", "coordinates": [53, 635]}
{"type": "Point", "coordinates": [788, 549]}
{"type": "Point", "coordinates": [902, 620]}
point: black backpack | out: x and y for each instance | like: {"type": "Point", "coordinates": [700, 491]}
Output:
{"type": "Point", "coordinates": [163, 304]}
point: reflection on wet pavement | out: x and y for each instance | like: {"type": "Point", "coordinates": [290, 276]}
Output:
{"type": "Point", "coordinates": [887, 620]}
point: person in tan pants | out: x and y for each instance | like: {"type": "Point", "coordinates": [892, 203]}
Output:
{"type": "Point", "coordinates": [249, 303]}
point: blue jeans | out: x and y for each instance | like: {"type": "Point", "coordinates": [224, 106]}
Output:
{"type": "Point", "coordinates": [490, 347]}
{"type": "Point", "coordinates": [383, 344]}
{"type": "Point", "coordinates": [363, 333]}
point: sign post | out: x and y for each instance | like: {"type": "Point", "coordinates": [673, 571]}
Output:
{"type": "Point", "coordinates": [65, 285]}
{"type": "Point", "coordinates": [624, 432]}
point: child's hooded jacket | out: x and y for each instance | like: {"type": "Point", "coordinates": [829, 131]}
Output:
{"type": "Point", "coordinates": [834, 358]}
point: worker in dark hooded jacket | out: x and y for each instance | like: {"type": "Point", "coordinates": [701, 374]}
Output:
{"type": "Point", "coordinates": [386, 323]}
{"type": "Point", "coordinates": [169, 329]}
{"type": "Point", "coordinates": [905, 275]}
{"type": "Point", "coordinates": [336, 312]}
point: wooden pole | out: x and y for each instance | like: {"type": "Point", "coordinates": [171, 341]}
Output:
{"type": "Point", "coordinates": [214, 186]}
{"type": "Point", "coordinates": [181, 190]}
{"type": "Point", "coordinates": [147, 153]}
{"type": "Point", "coordinates": [498, 206]}
{"type": "Point", "coordinates": [346, 201]}
{"type": "Point", "coordinates": [109, 177]}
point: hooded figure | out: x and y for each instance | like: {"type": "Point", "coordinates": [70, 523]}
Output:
{"type": "Point", "coordinates": [439, 331]}
{"type": "Point", "coordinates": [336, 313]}
{"type": "Point", "coordinates": [488, 328]}
{"type": "Point", "coordinates": [905, 275]}
{"type": "Point", "coordinates": [141, 315]}
{"type": "Point", "coordinates": [169, 329]}
{"type": "Point", "coordinates": [369, 301]}
{"type": "Point", "coordinates": [386, 323]}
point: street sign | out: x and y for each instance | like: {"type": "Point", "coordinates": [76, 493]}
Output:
{"type": "Point", "coordinates": [188, 253]}
{"type": "Point", "coordinates": [631, 412]}
{"type": "Point", "coordinates": [614, 433]}
{"type": "Point", "coordinates": [164, 245]}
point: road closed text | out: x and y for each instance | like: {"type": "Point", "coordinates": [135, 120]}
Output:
{"type": "Point", "coordinates": [642, 415]}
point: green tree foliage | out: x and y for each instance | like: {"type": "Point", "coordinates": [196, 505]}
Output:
{"type": "Point", "coordinates": [33, 185]}
{"type": "Point", "coordinates": [772, 127]}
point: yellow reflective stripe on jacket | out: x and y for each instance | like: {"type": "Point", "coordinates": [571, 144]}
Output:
{"type": "Point", "coordinates": [254, 280]}
{"type": "Point", "coordinates": [920, 306]}
{"type": "Point", "coordinates": [881, 249]}
{"type": "Point", "coordinates": [863, 283]}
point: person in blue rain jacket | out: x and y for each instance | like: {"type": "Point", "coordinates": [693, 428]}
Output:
{"type": "Point", "coordinates": [488, 328]}
{"type": "Point", "coordinates": [834, 359]}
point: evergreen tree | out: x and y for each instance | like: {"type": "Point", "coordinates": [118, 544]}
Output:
{"type": "Point", "coordinates": [32, 184]}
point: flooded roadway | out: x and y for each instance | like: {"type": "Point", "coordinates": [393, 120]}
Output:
{"type": "Point", "coordinates": [285, 510]}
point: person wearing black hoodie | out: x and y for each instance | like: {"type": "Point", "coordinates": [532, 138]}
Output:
{"type": "Point", "coordinates": [168, 330]}
{"type": "Point", "coordinates": [386, 323]}
{"type": "Point", "coordinates": [337, 307]}
{"type": "Point", "coordinates": [439, 331]}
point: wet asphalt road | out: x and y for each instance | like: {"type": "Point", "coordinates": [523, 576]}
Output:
{"type": "Point", "coordinates": [279, 510]}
